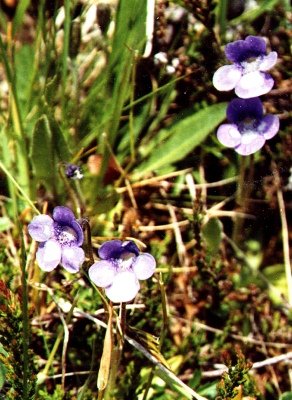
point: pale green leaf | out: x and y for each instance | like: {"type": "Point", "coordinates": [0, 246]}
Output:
{"type": "Point", "coordinates": [41, 149]}
{"type": "Point", "coordinates": [2, 375]}
{"type": "Point", "coordinates": [59, 141]}
{"type": "Point", "coordinates": [277, 277]}
{"type": "Point", "coordinates": [286, 396]}
{"type": "Point", "coordinates": [184, 136]}
{"type": "Point", "coordinates": [5, 224]}
{"type": "Point", "coordinates": [212, 233]}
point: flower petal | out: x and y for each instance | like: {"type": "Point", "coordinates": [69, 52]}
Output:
{"type": "Point", "coordinates": [63, 215]}
{"type": "Point", "coordinates": [41, 228]}
{"type": "Point", "coordinates": [102, 273]}
{"type": "Point", "coordinates": [130, 247]}
{"type": "Point", "coordinates": [110, 249]}
{"type": "Point", "coordinates": [267, 62]}
{"type": "Point", "coordinates": [241, 50]}
{"type": "Point", "coordinates": [269, 126]}
{"type": "Point", "coordinates": [236, 51]}
{"type": "Point", "coordinates": [254, 84]}
{"type": "Point", "coordinates": [124, 288]}
{"type": "Point", "coordinates": [229, 135]}
{"type": "Point", "coordinates": [72, 258]}
{"type": "Point", "coordinates": [227, 77]}
{"type": "Point", "coordinates": [49, 255]}
{"type": "Point", "coordinates": [78, 231]}
{"type": "Point", "coordinates": [250, 143]}
{"type": "Point", "coordinates": [240, 109]}
{"type": "Point", "coordinates": [256, 45]}
{"type": "Point", "coordinates": [144, 266]}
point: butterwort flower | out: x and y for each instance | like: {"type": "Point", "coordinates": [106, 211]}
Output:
{"type": "Point", "coordinates": [248, 73]}
{"type": "Point", "coordinates": [120, 269]}
{"type": "Point", "coordinates": [249, 128]}
{"type": "Point", "coordinates": [60, 239]}
{"type": "Point", "coordinates": [73, 171]}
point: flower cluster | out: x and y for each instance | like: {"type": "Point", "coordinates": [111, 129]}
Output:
{"type": "Point", "coordinates": [121, 265]}
{"type": "Point", "coordinates": [248, 128]}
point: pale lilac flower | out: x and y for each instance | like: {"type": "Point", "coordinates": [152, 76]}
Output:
{"type": "Point", "coordinates": [120, 269]}
{"type": "Point", "coordinates": [249, 127]}
{"type": "Point", "coordinates": [60, 239]}
{"type": "Point", "coordinates": [248, 73]}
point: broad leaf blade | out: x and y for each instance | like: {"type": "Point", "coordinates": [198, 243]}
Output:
{"type": "Point", "coordinates": [41, 150]}
{"type": "Point", "coordinates": [184, 136]}
{"type": "Point", "coordinates": [60, 144]}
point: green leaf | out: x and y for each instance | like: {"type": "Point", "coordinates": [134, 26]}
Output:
{"type": "Point", "coordinates": [3, 355]}
{"type": "Point", "coordinates": [19, 15]}
{"type": "Point", "coordinates": [41, 149]}
{"type": "Point", "coordinates": [48, 147]}
{"type": "Point", "coordinates": [60, 144]}
{"type": "Point", "coordinates": [5, 224]}
{"type": "Point", "coordinates": [24, 60]}
{"type": "Point", "coordinates": [2, 375]}
{"type": "Point", "coordinates": [277, 277]}
{"type": "Point", "coordinates": [286, 396]}
{"type": "Point", "coordinates": [255, 12]}
{"type": "Point", "coordinates": [128, 42]}
{"type": "Point", "coordinates": [184, 136]}
{"type": "Point", "coordinates": [212, 233]}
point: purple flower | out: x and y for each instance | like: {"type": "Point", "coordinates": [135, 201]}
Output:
{"type": "Point", "coordinates": [249, 127]}
{"type": "Point", "coordinates": [60, 239]}
{"type": "Point", "coordinates": [73, 171]}
{"type": "Point", "coordinates": [120, 268]}
{"type": "Point", "coordinates": [248, 73]}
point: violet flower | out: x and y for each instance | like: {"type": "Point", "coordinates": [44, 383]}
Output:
{"type": "Point", "coordinates": [60, 239]}
{"type": "Point", "coordinates": [73, 171]}
{"type": "Point", "coordinates": [249, 127]}
{"type": "Point", "coordinates": [248, 73]}
{"type": "Point", "coordinates": [120, 269]}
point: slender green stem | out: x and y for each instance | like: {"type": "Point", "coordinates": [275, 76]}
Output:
{"type": "Point", "coordinates": [42, 376]}
{"type": "Point", "coordinates": [65, 53]}
{"type": "Point", "coordinates": [91, 373]}
{"type": "Point", "coordinates": [131, 116]}
{"type": "Point", "coordinates": [21, 191]}
{"type": "Point", "coordinates": [222, 13]}
{"type": "Point", "coordinates": [162, 333]}
{"type": "Point", "coordinates": [116, 354]}
{"type": "Point", "coordinates": [6, 154]}
{"type": "Point", "coordinates": [285, 230]}
{"type": "Point", "coordinates": [36, 61]}
{"type": "Point", "coordinates": [106, 362]}
{"type": "Point", "coordinates": [25, 323]}
{"type": "Point", "coordinates": [244, 188]}
{"type": "Point", "coordinates": [160, 89]}
{"type": "Point", "coordinates": [123, 316]}
{"type": "Point", "coordinates": [89, 249]}
{"type": "Point", "coordinates": [74, 194]}
{"type": "Point", "coordinates": [23, 163]}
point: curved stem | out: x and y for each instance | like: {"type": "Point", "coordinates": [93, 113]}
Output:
{"type": "Point", "coordinates": [244, 188]}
